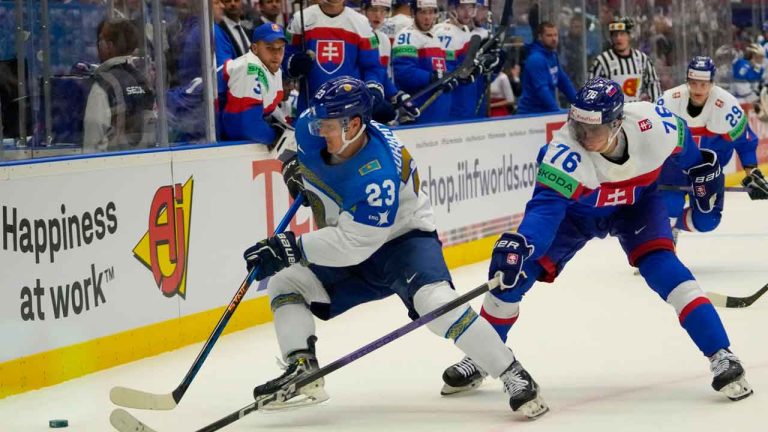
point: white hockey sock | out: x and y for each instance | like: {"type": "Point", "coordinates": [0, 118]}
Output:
{"type": "Point", "coordinates": [471, 333]}
{"type": "Point", "coordinates": [294, 323]}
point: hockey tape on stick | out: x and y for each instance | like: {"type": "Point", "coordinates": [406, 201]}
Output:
{"type": "Point", "coordinates": [721, 300]}
{"type": "Point", "coordinates": [131, 398]}
{"type": "Point", "coordinates": [125, 422]}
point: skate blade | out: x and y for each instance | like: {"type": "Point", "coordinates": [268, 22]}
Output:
{"type": "Point", "coordinates": [302, 400]}
{"type": "Point", "coordinates": [737, 390]}
{"type": "Point", "coordinates": [534, 409]}
{"type": "Point", "coordinates": [450, 390]}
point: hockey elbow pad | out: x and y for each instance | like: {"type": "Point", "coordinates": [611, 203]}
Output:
{"type": "Point", "coordinates": [707, 182]}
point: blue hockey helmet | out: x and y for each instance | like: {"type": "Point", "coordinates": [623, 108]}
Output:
{"type": "Point", "coordinates": [599, 103]}
{"type": "Point", "coordinates": [365, 4]}
{"type": "Point", "coordinates": [343, 97]}
{"type": "Point", "coordinates": [702, 68]}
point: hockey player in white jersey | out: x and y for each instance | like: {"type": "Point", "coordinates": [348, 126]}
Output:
{"type": "Point", "coordinates": [377, 238]}
{"type": "Point", "coordinates": [377, 12]}
{"type": "Point", "coordinates": [597, 177]}
{"type": "Point", "coordinates": [717, 123]}
{"type": "Point", "coordinates": [401, 18]}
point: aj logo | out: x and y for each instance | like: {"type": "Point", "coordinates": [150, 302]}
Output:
{"type": "Point", "coordinates": [164, 248]}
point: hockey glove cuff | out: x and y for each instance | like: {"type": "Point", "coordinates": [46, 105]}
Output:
{"type": "Point", "coordinates": [707, 182]}
{"type": "Point", "coordinates": [756, 184]}
{"type": "Point", "coordinates": [299, 64]}
{"type": "Point", "coordinates": [509, 254]}
{"type": "Point", "coordinates": [293, 179]}
{"type": "Point", "coordinates": [403, 100]}
{"type": "Point", "coordinates": [273, 254]}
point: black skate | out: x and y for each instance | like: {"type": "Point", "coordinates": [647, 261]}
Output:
{"type": "Point", "coordinates": [729, 375]}
{"type": "Point", "coordinates": [523, 391]}
{"type": "Point", "coordinates": [300, 363]}
{"type": "Point", "coordinates": [463, 376]}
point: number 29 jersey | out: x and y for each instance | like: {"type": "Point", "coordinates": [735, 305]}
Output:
{"type": "Point", "coordinates": [362, 203]}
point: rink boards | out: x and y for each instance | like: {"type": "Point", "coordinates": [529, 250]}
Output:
{"type": "Point", "coordinates": [108, 259]}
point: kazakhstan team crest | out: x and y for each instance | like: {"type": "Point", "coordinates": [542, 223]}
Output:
{"type": "Point", "coordinates": [330, 55]}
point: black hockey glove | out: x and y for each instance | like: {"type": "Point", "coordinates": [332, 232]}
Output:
{"type": "Point", "coordinates": [299, 64]}
{"type": "Point", "coordinates": [273, 254]}
{"type": "Point", "coordinates": [472, 77]}
{"type": "Point", "coordinates": [509, 254]}
{"type": "Point", "coordinates": [293, 179]}
{"type": "Point", "coordinates": [707, 182]}
{"type": "Point", "coordinates": [403, 100]}
{"type": "Point", "coordinates": [757, 185]}
{"type": "Point", "coordinates": [489, 62]}
{"type": "Point", "coordinates": [448, 86]}
{"type": "Point", "coordinates": [383, 111]}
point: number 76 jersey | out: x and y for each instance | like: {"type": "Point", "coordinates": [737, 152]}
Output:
{"type": "Point", "coordinates": [598, 185]}
{"type": "Point", "coordinates": [362, 203]}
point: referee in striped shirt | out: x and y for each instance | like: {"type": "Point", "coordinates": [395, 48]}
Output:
{"type": "Point", "coordinates": [630, 68]}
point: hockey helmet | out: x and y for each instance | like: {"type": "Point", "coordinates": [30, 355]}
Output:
{"type": "Point", "coordinates": [365, 4]}
{"type": "Point", "coordinates": [423, 4]}
{"type": "Point", "coordinates": [599, 103]}
{"type": "Point", "coordinates": [341, 98]}
{"type": "Point", "coordinates": [702, 68]}
{"type": "Point", "coordinates": [622, 24]}
{"type": "Point", "coordinates": [457, 3]}
{"type": "Point", "coordinates": [396, 3]}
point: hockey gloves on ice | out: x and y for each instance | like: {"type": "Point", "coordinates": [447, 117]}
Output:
{"type": "Point", "coordinates": [757, 185]}
{"type": "Point", "coordinates": [293, 179]}
{"type": "Point", "coordinates": [273, 254]}
{"type": "Point", "coordinates": [403, 100]}
{"type": "Point", "coordinates": [383, 111]}
{"type": "Point", "coordinates": [707, 182]}
{"type": "Point", "coordinates": [509, 254]}
{"type": "Point", "coordinates": [299, 64]}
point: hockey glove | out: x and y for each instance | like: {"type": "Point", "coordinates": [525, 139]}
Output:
{"type": "Point", "coordinates": [273, 254]}
{"type": "Point", "coordinates": [383, 111]}
{"type": "Point", "coordinates": [403, 100]}
{"type": "Point", "coordinates": [299, 64]}
{"type": "Point", "coordinates": [489, 62]}
{"type": "Point", "coordinates": [757, 185]}
{"type": "Point", "coordinates": [448, 86]}
{"type": "Point", "coordinates": [509, 254]}
{"type": "Point", "coordinates": [471, 78]}
{"type": "Point", "coordinates": [293, 179]}
{"type": "Point", "coordinates": [707, 182]}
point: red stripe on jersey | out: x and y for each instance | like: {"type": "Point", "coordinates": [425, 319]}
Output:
{"type": "Point", "coordinates": [225, 70]}
{"type": "Point", "coordinates": [702, 131]}
{"type": "Point", "coordinates": [237, 105]}
{"type": "Point", "coordinates": [463, 50]}
{"type": "Point", "coordinates": [650, 246]}
{"type": "Point", "coordinates": [328, 33]}
{"type": "Point", "coordinates": [431, 52]}
{"type": "Point", "coordinates": [384, 60]}
{"type": "Point", "coordinates": [498, 321]}
{"type": "Point", "coordinates": [641, 180]}
{"type": "Point", "coordinates": [275, 102]}
{"type": "Point", "coordinates": [698, 301]}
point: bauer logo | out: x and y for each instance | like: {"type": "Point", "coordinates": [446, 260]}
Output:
{"type": "Point", "coordinates": [164, 248]}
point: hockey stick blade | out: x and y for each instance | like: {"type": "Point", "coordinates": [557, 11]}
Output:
{"type": "Point", "coordinates": [128, 421]}
{"type": "Point", "coordinates": [130, 398]}
{"type": "Point", "coordinates": [123, 421]}
{"type": "Point", "coordinates": [720, 300]}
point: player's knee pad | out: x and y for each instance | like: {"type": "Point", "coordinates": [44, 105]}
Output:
{"type": "Point", "coordinates": [695, 220]}
{"type": "Point", "coordinates": [663, 271]}
{"type": "Point", "coordinates": [452, 324]}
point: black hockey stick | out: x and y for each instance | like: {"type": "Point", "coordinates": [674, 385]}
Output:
{"type": "Point", "coordinates": [125, 422]}
{"type": "Point", "coordinates": [498, 38]}
{"type": "Point", "coordinates": [131, 398]}
{"type": "Point", "coordinates": [721, 300]}
{"type": "Point", "coordinates": [688, 188]}
{"type": "Point", "coordinates": [303, 81]}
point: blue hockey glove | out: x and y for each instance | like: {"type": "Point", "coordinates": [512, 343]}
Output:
{"type": "Point", "coordinates": [757, 185]}
{"type": "Point", "coordinates": [707, 182]}
{"type": "Point", "coordinates": [403, 100]}
{"type": "Point", "coordinates": [293, 179]}
{"type": "Point", "coordinates": [509, 254]}
{"type": "Point", "coordinates": [299, 64]}
{"type": "Point", "coordinates": [273, 254]}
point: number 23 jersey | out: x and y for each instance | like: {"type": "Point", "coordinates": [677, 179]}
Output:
{"type": "Point", "coordinates": [362, 203]}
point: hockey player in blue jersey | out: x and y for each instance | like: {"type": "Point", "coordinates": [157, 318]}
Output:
{"type": "Point", "coordinates": [717, 123]}
{"type": "Point", "coordinates": [597, 177]}
{"type": "Point", "coordinates": [377, 238]}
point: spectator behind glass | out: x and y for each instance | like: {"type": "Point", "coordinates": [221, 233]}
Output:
{"type": "Point", "coordinates": [271, 12]}
{"type": "Point", "coordinates": [572, 50]}
{"type": "Point", "coordinates": [254, 86]}
{"type": "Point", "coordinates": [542, 74]}
{"type": "Point", "coordinates": [233, 29]}
{"type": "Point", "coordinates": [119, 112]}
{"type": "Point", "coordinates": [502, 96]}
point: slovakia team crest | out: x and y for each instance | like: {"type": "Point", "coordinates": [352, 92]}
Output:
{"type": "Point", "coordinates": [330, 55]}
{"type": "Point", "coordinates": [438, 65]}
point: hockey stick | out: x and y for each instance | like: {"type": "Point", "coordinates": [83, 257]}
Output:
{"type": "Point", "coordinates": [125, 422]}
{"type": "Point", "coordinates": [498, 37]}
{"type": "Point", "coordinates": [688, 188]}
{"type": "Point", "coordinates": [303, 81]}
{"type": "Point", "coordinates": [720, 300]}
{"type": "Point", "coordinates": [131, 398]}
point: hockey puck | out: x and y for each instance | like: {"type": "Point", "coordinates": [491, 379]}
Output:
{"type": "Point", "coordinates": [58, 423]}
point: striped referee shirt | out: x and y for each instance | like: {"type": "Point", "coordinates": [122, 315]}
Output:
{"type": "Point", "coordinates": [634, 73]}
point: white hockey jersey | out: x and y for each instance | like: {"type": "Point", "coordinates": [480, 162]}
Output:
{"type": "Point", "coordinates": [395, 24]}
{"type": "Point", "coordinates": [385, 50]}
{"type": "Point", "coordinates": [721, 114]}
{"type": "Point", "coordinates": [454, 39]}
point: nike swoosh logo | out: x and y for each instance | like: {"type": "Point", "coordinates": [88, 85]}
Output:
{"type": "Point", "coordinates": [640, 230]}
{"type": "Point", "coordinates": [411, 278]}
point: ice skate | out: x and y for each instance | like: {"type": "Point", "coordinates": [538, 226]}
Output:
{"type": "Point", "coordinates": [463, 376]}
{"type": "Point", "coordinates": [300, 363]}
{"type": "Point", "coordinates": [729, 376]}
{"type": "Point", "coordinates": [523, 391]}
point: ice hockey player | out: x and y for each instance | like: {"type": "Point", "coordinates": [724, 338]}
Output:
{"type": "Point", "coordinates": [629, 67]}
{"type": "Point", "coordinates": [377, 239]}
{"type": "Point", "coordinates": [717, 123]}
{"type": "Point", "coordinates": [400, 19]}
{"type": "Point", "coordinates": [597, 178]}
{"type": "Point", "coordinates": [749, 75]}
{"type": "Point", "coordinates": [418, 59]}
